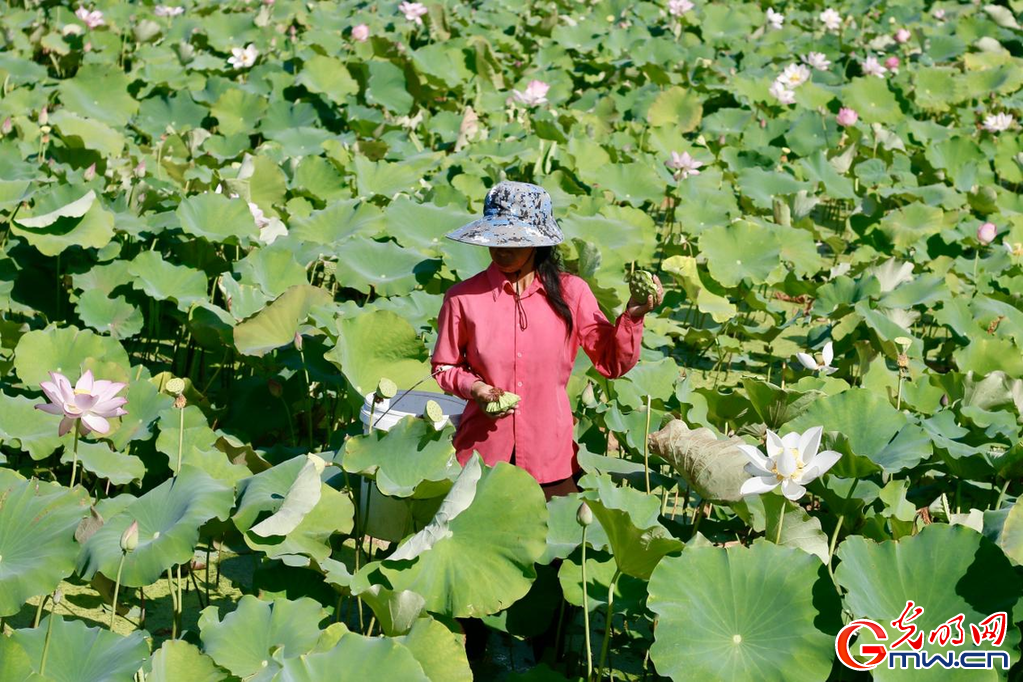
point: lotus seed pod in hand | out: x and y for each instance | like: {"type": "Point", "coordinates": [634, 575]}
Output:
{"type": "Point", "coordinates": [386, 388]}
{"type": "Point", "coordinates": [130, 537]}
{"type": "Point", "coordinates": [641, 285]}
{"type": "Point", "coordinates": [584, 516]}
{"type": "Point", "coordinates": [505, 402]}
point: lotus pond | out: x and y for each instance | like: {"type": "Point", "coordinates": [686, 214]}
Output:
{"type": "Point", "coordinates": [222, 225]}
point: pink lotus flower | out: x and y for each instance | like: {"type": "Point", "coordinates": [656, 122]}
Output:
{"type": "Point", "coordinates": [847, 116]}
{"type": "Point", "coordinates": [677, 8]}
{"type": "Point", "coordinates": [91, 19]}
{"type": "Point", "coordinates": [939, 14]}
{"type": "Point", "coordinates": [413, 11]}
{"type": "Point", "coordinates": [534, 94]}
{"type": "Point", "coordinates": [89, 404]}
{"type": "Point", "coordinates": [360, 33]}
{"type": "Point", "coordinates": [986, 233]}
{"type": "Point", "coordinates": [683, 164]}
{"type": "Point", "coordinates": [781, 93]}
{"type": "Point", "coordinates": [892, 64]}
{"type": "Point", "coordinates": [872, 67]}
{"type": "Point", "coordinates": [902, 35]}
{"type": "Point", "coordinates": [6, 127]}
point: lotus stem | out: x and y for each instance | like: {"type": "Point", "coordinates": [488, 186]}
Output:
{"type": "Point", "coordinates": [781, 523]}
{"type": "Point", "coordinates": [46, 644]}
{"type": "Point", "coordinates": [586, 615]}
{"type": "Point", "coordinates": [117, 587]}
{"type": "Point", "coordinates": [74, 458]}
{"type": "Point", "coordinates": [309, 395]}
{"type": "Point", "coordinates": [976, 257]}
{"type": "Point", "coordinates": [39, 610]}
{"type": "Point", "coordinates": [607, 625]}
{"type": "Point", "coordinates": [181, 598]}
{"type": "Point", "coordinates": [181, 437]}
{"type": "Point", "coordinates": [646, 446]}
{"type": "Point", "coordinates": [174, 605]}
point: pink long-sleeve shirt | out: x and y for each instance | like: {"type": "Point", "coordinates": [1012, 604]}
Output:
{"type": "Point", "coordinates": [480, 334]}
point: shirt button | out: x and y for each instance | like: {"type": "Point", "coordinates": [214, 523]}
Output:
{"type": "Point", "coordinates": [518, 355]}
{"type": "Point", "coordinates": [520, 384]}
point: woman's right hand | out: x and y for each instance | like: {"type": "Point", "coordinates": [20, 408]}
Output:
{"type": "Point", "coordinates": [483, 393]}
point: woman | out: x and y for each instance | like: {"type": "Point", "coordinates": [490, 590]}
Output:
{"type": "Point", "coordinates": [517, 326]}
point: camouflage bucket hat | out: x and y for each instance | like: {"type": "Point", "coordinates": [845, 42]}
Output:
{"type": "Point", "coordinates": [515, 214]}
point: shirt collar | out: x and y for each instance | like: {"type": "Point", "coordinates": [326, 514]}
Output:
{"type": "Point", "coordinates": [499, 283]}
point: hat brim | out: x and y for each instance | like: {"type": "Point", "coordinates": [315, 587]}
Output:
{"type": "Point", "coordinates": [501, 231]}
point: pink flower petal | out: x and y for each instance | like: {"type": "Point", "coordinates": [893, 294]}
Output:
{"type": "Point", "coordinates": [85, 382]}
{"type": "Point", "coordinates": [96, 423]}
{"type": "Point", "coordinates": [51, 408]}
{"type": "Point", "coordinates": [85, 401]}
{"type": "Point", "coordinates": [65, 425]}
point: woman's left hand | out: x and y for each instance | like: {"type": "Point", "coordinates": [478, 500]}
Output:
{"type": "Point", "coordinates": [638, 308]}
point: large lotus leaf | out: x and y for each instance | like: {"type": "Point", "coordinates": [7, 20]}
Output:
{"type": "Point", "coordinates": [337, 222]}
{"type": "Point", "coordinates": [244, 641]}
{"type": "Point", "coordinates": [119, 468]}
{"type": "Point", "coordinates": [99, 91]}
{"type": "Point", "coordinates": [387, 178]}
{"type": "Point", "coordinates": [762, 186]}
{"type": "Point", "coordinates": [909, 224]}
{"type": "Point", "coordinates": [402, 459]}
{"type": "Point", "coordinates": [355, 658]}
{"type": "Point", "coordinates": [197, 443]}
{"type": "Point", "coordinates": [872, 100]}
{"type": "Point", "coordinates": [868, 421]}
{"type": "Point", "coordinates": [798, 529]}
{"type": "Point", "coordinates": [145, 403]}
{"type": "Point", "coordinates": [676, 107]}
{"type": "Point", "coordinates": [742, 613]}
{"type": "Point", "coordinates": [947, 570]}
{"type": "Point", "coordinates": [777, 405]}
{"type": "Point", "coordinates": [70, 351]}
{"type": "Point", "coordinates": [564, 533]}
{"type": "Point", "coordinates": [34, 430]}
{"type": "Point", "coordinates": [178, 660]}
{"type": "Point", "coordinates": [654, 379]}
{"type": "Point", "coordinates": [741, 250]}
{"type": "Point", "coordinates": [422, 226]}
{"type": "Point", "coordinates": [712, 466]}
{"type": "Point", "coordinates": [936, 88]}
{"type": "Point", "coordinates": [387, 87]}
{"type": "Point", "coordinates": [114, 316]}
{"type": "Point", "coordinates": [161, 280]}
{"type": "Point", "coordinates": [686, 269]}
{"type": "Point", "coordinates": [169, 517]}
{"type": "Point", "coordinates": [396, 612]}
{"type": "Point", "coordinates": [629, 518]}
{"type": "Point", "coordinates": [629, 593]}
{"type": "Point", "coordinates": [985, 355]}
{"type": "Point", "coordinates": [287, 491]}
{"type": "Point", "coordinates": [384, 267]}
{"type": "Point", "coordinates": [176, 111]}
{"type": "Point", "coordinates": [1004, 527]}
{"type": "Point", "coordinates": [238, 112]}
{"type": "Point", "coordinates": [15, 665]}
{"type": "Point", "coordinates": [78, 132]}
{"type": "Point", "coordinates": [242, 300]}
{"type": "Point", "coordinates": [277, 324]}
{"type": "Point", "coordinates": [217, 218]}
{"type": "Point", "coordinates": [53, 207]}
{"type": "Point", "coordinates": [379, 344]}
{"type": "Point", "coordinates": [476, 557]}
{"type": "Point", "coordinates": [13, 192]}
{"type": "Point", "coordinates": [329, 77]}
{"type": "Point", "coordinates": [78, 653]}
{"type": "Point", "coordinates": [91, 230]}
{"type": "Point", "coordinates": [273, 269]}
{"type": "Point", "coordinates": [439, 651]}
{"type": "Point", "coordinates": [37, 537]}
{"type": "Point", "coordinates": [333, 514]}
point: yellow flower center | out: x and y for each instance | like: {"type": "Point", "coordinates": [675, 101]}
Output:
{"type": "Point", "coordinates": [1017, 249]}
{"type": "Point", "coordinates": [799, 466]}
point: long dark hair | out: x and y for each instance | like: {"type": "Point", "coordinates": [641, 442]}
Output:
{"type": "Point", "coordinates": [547, 264]}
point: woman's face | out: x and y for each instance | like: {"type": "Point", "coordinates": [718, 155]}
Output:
{"type": "Point", "coordinates": [511, 259]}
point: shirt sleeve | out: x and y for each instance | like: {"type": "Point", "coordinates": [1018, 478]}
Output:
{"type": "Point", "coordinates": [452, 340]}
{"type": "Point", "coordinates": [613, 348]}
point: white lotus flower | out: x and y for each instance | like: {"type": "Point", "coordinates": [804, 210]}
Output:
{"type": "Point", "coordinates": [817, 60]}
{"type": "Point", "coordinates": [89, 404]}
{"type": "Point", "coordinates": [91, 19]}
{"type": "Point", "coordinates": [781, 93]}
{"type": "Point", "coordinates": [413, 11]}
{"type": "Point", "coordinates": [827, 355]}
{"type": "Point", "coordinates": [166, 11]}
{"type": "Point", "coordinates": [243, 58]}
{"type": "Point", "coordinates": [775, 19]}
{"type": "Point", "coordinates": [677, 8]}
{"type": "Point", "coordinates": [997, 123]}
{"type": "Point", "coordinates": [1014, 249]}
{"type": "Point", "coordinates": [683, 164]}
{"type": "Point", "coordinates": [792, 461]}
{"type": "Point", "coordinates": [831, 19]}
{"type": "Point", "coordinates": [872, 67]}
{"type": "Point", "coordinates": [793, 76]}
{"type": "Point", "coordinates": [257, 215]}
{"type": "Point", "coordinates": [534, 94]}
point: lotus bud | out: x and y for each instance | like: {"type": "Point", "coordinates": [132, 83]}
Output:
{"type": "Point", "coordinates": [589, 398]}
{"type": "Point", "coordinates": [6, 126]}
{"type": "Point", "coordinates": [58, 596]}
{"type": "Point", "coordinates": [584, 516]}
{"type": "Point", "coordinates": [140, 169]}
{"type": "Point", "coordinates": [89, 173]}
{"type": "Point", "coordinates": [180, 401]}
{"type": "Point", "coordinates": [275, 388]}
{"type": "Point", "coordinates": [385, 389]}
{"type": "Point", "coordinates": [902, 35]}
{"type": "Point", "coordinates": [44, 117]}
{"type": "Point", "coordinates": [986, 233]}
{"type": "Point", "coordinates": [944, 400]}
{"type": "Point", "coordinates": [298, 341]}
{"type": "Point", "coordinates": [130, 537]}
{"type": "Point", "coordinates": [847, 116]}
{"type": "Point", "coordinates": [892, 63]}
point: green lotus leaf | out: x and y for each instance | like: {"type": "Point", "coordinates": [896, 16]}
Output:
{"type": "Point", "coordinates": [37, 537]}
{"type": "Point", "coordinates": [654, 379]}
{"type": "Point", "coordinates": [83, 654]}
{"type": "Point", "coordinates": [99, 91]}
{"type": "Point", "coordinates": [386, 178]}
{"type": "Point", "coordinates": [97, 458]}
{"type": "Point", "coordinates": [762, 186]}
{"type": "Point", "coordinates": [383, 267]}
{"type": "Point", "coordinates": [277, 324]}
{"type": "Point", "coordinates": [273, 269]}
{"type": "Point", "coordinates": [145, 403]}
{"type": "Point", "coordinates": [714, 467]}
{"type": "Point", "coordinates": [179, 660]}
{"type": "Point", "coordinates": [104, 278]}
{"type": "Point", "coordinates": [15, 665]}
{"type": "Point", "coordinates": [387, 87]}
{"type": "Point", "coordinates": [13, 192]}
{"type": "Point", "coordinates": [686, 269]}
{"type": "Point", "coordinates": [632, 183]}
{"type": "Point", "coordinates": [776, 405]}
{"type": "Point", "coordinates": [244, 641]}
{"type": "Point", "coordinates": [338, 222]}
{"type": "Point", "coordinates": [984, 355]}
{"type": "Point", "coordinates": [677, 107]}
{"type": "Point", "coordinates": [187, 430]}
{"type": "Point", "coordinates": [870, 97]}
{"type": "Point", "coordinates": [629, 518]}
{"type": "Point", "coordinates": [321, 179]}
{"type": "Point", "coordinates": [910, 446]}
{"type": "Point", "coordinates": [1004, 527]}
{"type": "Point", "coordinates": [78, 132]}
{"type": "Point", "coordinates": [114, 316]}
{"type": "Point", "coordinates": [242, 300]}
{"type": "Point", "coordinates": [161, 280]}
{"type": "Point", "coordinates": [379, 344]}
{"type": "Point", "coordinates": [288, 491]}
{"type": "Point", "coordinates": [798, 529]}
{"type": "Point", "coordinates": [820, 169]}
{"type": "Point", "coordinates": [910, 224]}
{"type": "Point", "coordinates": [742, 250]}
{"type": "Point", "coordinates": [411, 456]}
{"type": "Point", "coordinates": [564, 533]}
{"type": "Point", "coordinates": [396, 612]}
{"type": "Point", "coordinates": [422, 226]}
{"type": "Point", "coordinates": [491, 526]}
{"type": "Point", "coordinates": [353, 659]}
{"type": "Point", "coordinates": [169, 517]}
{"type": "Point", "coordinates": [238, 111]}
{"type": "Point", "coordinates": [177, 112]}
{"type": "Point", "coordinates": [936, 88]}
{"type": "Point", "coordinates": [217, 218]}
{"type": "Point", "coordinates": [328, 76]}
{"type": "Point", "coordinates": [34, 430]}
{"type": "Point", "coordinates": [439, 651]}
{"type": "Point", "coordinates": [74, 209]}
{"type": "Point", "coordinates": [947, 570]}
{"type": "Point", "coordinates": [70, 351]}
{"type": "Point", "coordinates": [91, 230]}
{"type": "Point", "coordinates": [742, 613]}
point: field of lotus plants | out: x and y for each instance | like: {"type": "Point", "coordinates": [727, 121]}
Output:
{"type": "Point", "coordinates": [221, 225]}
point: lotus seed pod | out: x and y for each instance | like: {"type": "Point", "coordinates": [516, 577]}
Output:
{"type": "Point", "coordinates": [502, 404]}
{"type": "Point", "coordinates": [433, 412]}
{"type": "Point", "coordinates": [386, 388]}
{"type": "Point", "coordinates": [175, 386]}
{"type": "Point", "coordinates": [130, 537]}
{"type": "Point", "coordinates": [641, 285]}
{"type": "Point", "coordinates": [904, 341]}
{"type": "Point", "coordinates": [584, 516]}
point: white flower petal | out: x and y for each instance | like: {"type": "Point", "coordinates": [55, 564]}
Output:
{"type": "Point", "coordinates": [786, 463]}
{"type": "Point", "coordinates": [792, 490]}
{"type": "Point", "coordinates": [809, 444]}
{"type": "Point", "coordinates": [761, 464]}
{"type": "Point", "coordinates": [758, 485]}
{"type": "Point", "coordinates": [807, 361]}
{"type": "Point", "coordinates": [828, 353]}
{"type": "Point", "coordinates": [821, 463]}
{"type": "Point", "coordinates": [774, 445]}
